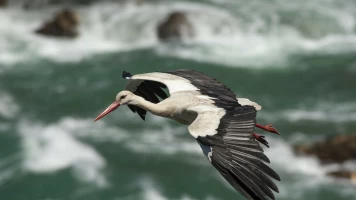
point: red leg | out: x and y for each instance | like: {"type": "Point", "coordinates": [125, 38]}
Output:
{"type": "Point", "coordinates": [261, 139]}
{"type": "Point", "coordinates": [268, 128]}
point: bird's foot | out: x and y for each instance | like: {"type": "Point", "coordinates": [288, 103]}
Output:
{"type": "Point", "coordinates": [268, 128]}
{"type": "Point", "coordinates": [261, 139]}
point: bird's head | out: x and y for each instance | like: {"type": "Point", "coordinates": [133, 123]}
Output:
{"type": "Point", "coordinates": [122, 98]}
{"type": "Point", "coordinates": [125, 97]}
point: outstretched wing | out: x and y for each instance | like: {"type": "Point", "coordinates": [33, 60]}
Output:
{"type": "Point", "coordinates": [227, 142]}
{"type": "Point", "coordinates": [151, 87]}
{"type": "Point", "coordinates": [223, 129]}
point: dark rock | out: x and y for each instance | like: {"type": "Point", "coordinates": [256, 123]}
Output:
{"type": "Point", "coordinates": [139, 2]}
{"type": "Point", "coordinates": [35, 4]}
{"type": "Point", "coordinates": [64, 24]}
{"type": "Point", "coordinates": [3, 3]}
{"type": "Point", "coordinates": [333, 150]}
{"type": "Point", "coordinates": [350, 175]}
{"type": "Point", "coordinates": [175, 26]}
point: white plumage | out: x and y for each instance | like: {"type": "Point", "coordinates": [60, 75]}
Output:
{"type": "Point", "coordinates": [248, 102]}
{"type": "Point", "coordinates": [173, 83]}
{"type": "Point", "coordinates": [222, 124]}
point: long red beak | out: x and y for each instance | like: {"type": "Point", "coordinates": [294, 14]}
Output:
{"type": "Point", "coordinates": [111, 108]}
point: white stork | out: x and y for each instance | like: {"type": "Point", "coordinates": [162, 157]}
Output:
{"type": "Point", "coordinates": [222, 124]}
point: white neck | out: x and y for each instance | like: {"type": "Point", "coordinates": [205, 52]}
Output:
{"type": "Point", "coordinates": [156, 109]}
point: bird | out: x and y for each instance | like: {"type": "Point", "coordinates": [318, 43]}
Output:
{"type": "Point", "coordinates": [222, 124]}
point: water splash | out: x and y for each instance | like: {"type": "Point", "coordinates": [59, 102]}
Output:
{"type": "Point", "coordinates": [8, 107]}
{"type": "Point", "coordinates": [51, 148]}
{"type": "Point", "coordinates": [235, 34]}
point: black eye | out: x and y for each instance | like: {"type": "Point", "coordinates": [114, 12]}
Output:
{"type": "Point", "coordinates": [122, 97]}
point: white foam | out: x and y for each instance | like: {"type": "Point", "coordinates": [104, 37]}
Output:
{"type": "Point", "coordinates": [281, 154]}
{"type": "Point", "coordinates": [235, 34]}
{"type": "Point", "coordinates": [297, 115]}
{"type": "Point", "coordinates": [300, 174]}
{"type": "Point", "coordinates": [51, 148]}
{"type": "Point", "coordinates": [8, 106]}
{"type": "Point", "coordinates": [151, 191]}
{"type": "Point", "coordinates": [163, 139]}
{"type": "Point", "coordinates": [103, 29]}
{"type": "Point", "coordinates": [323, 111]}
{"type": "Point", "coordinates": [166, 140]}
{"type": "Point", "coordinates": [98, 131]}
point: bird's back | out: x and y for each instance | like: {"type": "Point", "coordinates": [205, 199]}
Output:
{"type": "Point", "coordinates": [220, 94]}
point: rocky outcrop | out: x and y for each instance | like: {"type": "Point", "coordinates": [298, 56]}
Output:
{"type": "Point", "coordinates": [139, 2]}
{"type": "Point", "coordinates": [337, 149]}
{"type": "Point", "coordinates": [64, 24]}
{"type": "Point", "coordinates": [3, 3]}
{"type": "Point", "coordinates": [36, 4]}
{"type": "Point", "coordinates": [349, 175]}
{"type": "Point", "coordinates": [332, 150]}
{"type": "Point", "coordinates": [176, 26]}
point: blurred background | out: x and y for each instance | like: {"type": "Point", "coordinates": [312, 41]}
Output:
{"type": "Point", "coordinates": [61, 63]}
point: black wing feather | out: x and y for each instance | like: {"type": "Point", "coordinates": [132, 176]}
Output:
{"type": "Point", "coordinates": [150, 91]}
{"type": "Point", "coordinates": [234, 152]}
{"type": "Point", "coordinates": [239, 157]}
{"type": "Point", "coordinates": [132, 108]}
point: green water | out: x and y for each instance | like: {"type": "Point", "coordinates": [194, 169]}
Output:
{"type": "Point", "coordinates": [50, 148]}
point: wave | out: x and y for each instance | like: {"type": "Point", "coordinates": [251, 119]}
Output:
{"type": "Point", "coordinates": [150, 191]}
{"type": "Point", "coordinates": [240, 34]}
{"type": "Point", "coordinates": [163, 140]}
{"type": "Point", "coordinates": [338, 112]}
{"type": "Point", "coordinates": [8, 107]}
{"type": "Point", "coordinates": [302, 174]}
{"type": "Point", "coordinates": [51, 148]}
{"type": "Point", "coordinates": [58, 146]}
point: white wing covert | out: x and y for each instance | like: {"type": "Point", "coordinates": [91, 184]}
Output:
{"type": "Point", "coordinates": [151, 87]}
{"type": "Point", "coordinates": [223, 129]}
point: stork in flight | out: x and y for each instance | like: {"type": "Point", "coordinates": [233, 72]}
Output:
{"type": "Point", "coordinates": [222, 124]}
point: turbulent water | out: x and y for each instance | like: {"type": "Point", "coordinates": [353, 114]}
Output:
{"type": "Point", "coordinates": [295, 58]}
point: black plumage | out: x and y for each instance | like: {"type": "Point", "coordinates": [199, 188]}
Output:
{"type": "Point", "coordinates": [235, 153]}
{"type": "Point", "coordinates": [126, 74]}
{"type": "Point", "coordinates": [209, 86]}
{"type": "Point", "coordinates": [149, 90]}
